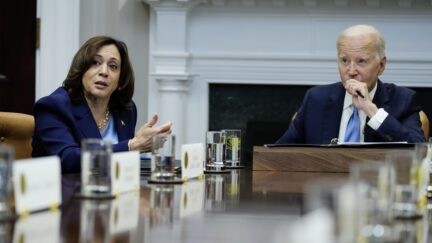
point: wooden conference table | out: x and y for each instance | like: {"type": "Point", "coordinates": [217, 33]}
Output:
{"type": "Point", "coordinates": [240, 206]}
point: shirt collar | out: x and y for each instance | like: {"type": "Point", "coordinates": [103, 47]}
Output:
{"type": "Point", "coordinates": [348, 97]}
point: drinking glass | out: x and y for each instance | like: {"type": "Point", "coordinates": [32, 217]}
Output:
{"type": "Point", "coordinates": [6, 159]}
{"type": "Point", "coordinates": [215, 150]}
{"type": "Point", "coordinates": [96, 168]}
{"type": "Point", "coordinates": [339, 198]}
{"type": "Point", "coordinates": [163, 157]}
{"type": "Point", "coordinates": [375, 183]}
{"type": "Point", "coordinates": [406, 189]}
{"type": "Point", "coordinates": [232, 147]}
{"type": "Point", "coordinates": [422, 155]}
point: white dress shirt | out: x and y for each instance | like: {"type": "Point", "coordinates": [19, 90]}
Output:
{"type": "Point", "coordinates": [374, 122]}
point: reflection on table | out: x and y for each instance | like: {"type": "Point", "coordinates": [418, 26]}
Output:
{"type": "Point", "coordinates": [241, 206]}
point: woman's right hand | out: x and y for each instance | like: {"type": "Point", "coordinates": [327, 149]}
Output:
{"type": "Point", "coordinates": [143, 138]}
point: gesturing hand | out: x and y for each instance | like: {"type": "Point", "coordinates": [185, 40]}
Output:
{"type": "Point", "coordinates": [142, 139]}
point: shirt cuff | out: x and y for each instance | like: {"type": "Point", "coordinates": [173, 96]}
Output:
{"type": "Point", "coordinates": [376, 120]}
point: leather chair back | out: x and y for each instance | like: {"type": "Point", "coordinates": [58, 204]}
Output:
{"type": "Point", "coordinates": [425, 124]}
{"type": "Point", "coordinates": [16, 130]}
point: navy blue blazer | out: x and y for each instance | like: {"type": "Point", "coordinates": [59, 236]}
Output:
{"type": "Point", "coordinates": [319, 117]}
{"type": "Point", "coordinates": [60, 125]}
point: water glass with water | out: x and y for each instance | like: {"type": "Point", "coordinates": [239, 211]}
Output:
{"type": "Point", "coordinates": [375, 183]}
{"type": "Point", "coordinates": [96, 167]}
{"type": "Point", "coordinates": [215, 141]}
{"type": "Point", "coordinates": [406, 189]}
{"type": "Point", "coordinates": [6, 159]}
{"type": "Point", "coordinates": [163, 156]}
{"type": "Point", "coordinates": [232, 148]}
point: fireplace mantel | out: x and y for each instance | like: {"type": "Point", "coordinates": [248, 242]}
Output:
{"type": "Point", "coordinates": [194, 43]}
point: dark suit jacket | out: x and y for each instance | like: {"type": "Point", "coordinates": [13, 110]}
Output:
{"type": "Point", "coordinates": [319, 117]}
{"type": "Point", "coordinates": [60, 125]}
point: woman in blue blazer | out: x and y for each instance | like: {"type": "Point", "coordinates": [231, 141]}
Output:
{"type": "Point", "coordinates": [95, 101]}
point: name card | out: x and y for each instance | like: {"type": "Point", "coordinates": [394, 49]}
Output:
{"type": "Point", "coordinates": [192, 160]}
{"type": "Point", "coordinates": [39, 227]}
{"type": "Point", "coordinates": [36, 184]}
{"type": "Point", "coordinates": [192, 197]}
{"type": "Point", "coordinates": [124, 213]}
{"type": "Point", "coordinates": [125, 172]}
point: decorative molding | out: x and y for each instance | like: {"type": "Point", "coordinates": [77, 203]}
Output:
{"type": "Point", "coordinates": [248, 3]}
{"type": "Point", "coordinates": [405, 3]}
{"type": "Point", "coordinates": [218, 2]}
{"type": "Point", "coordinates": [291, 70]}
{"type": "Point", "coordinates": [173, 83]}
{"type": "Point", "coordinates": [341, 3]}
{"type": "Point", "coordinates": [310, 3]}
{"type": "Point", "coordinates": [173, 4]}
{"type": "Point", "coordinates": [373, 3]}
{"type": "Point", "coordinates": [170, 62]}
{"type": "Point", "coordinates": [279, 3]}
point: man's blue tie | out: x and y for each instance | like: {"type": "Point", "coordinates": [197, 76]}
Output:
{"type": "Point", "coordinates": [352, 133]}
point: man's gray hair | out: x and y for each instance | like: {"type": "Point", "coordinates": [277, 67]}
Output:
{"type": "Point", "coordinates": [361, 30]}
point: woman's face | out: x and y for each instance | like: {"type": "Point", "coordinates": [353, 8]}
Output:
{"type": "Point", "coordinates": [102, 78]}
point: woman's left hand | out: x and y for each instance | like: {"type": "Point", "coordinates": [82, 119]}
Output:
{"type": "Point", "coordinates": [142, 139]}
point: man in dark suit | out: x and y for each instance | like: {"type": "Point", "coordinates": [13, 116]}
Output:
{"type": "Point", "coordinates": [382, 112]}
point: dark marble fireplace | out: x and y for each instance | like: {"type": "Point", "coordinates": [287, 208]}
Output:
{"type": "Point", "coordinates": [263, 112]}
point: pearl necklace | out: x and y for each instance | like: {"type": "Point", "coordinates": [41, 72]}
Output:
{"type": "Point", "coordinates": [104, 122]}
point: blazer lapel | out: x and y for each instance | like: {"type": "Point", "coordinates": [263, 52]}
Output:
{"type": "Point", "coordinates": [121, 124]}
{"type": "Point", "coordinates": [381, 100]}
{"type": "Point", "coordinates": [85, 121]}
{"type": "Point", "coordinates": [333, 114]}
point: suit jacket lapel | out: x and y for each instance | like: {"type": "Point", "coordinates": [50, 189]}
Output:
{"type": "Point", "coordinates": [381, 100]}
{"type": "Point", "coordinates": [332, 114]}
{"type": "Point", "coordinates": [85, 121]}
{"type": "Point", "coordinates": [121, 124]}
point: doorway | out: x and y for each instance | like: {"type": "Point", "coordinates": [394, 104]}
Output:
{"type": "Point", "coordinates": [17, 55]}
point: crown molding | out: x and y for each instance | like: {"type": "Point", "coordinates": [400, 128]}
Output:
{"type": "Point", "coordinates": [262, 68]}
{"type": "Point", "coordinates": [173, 4]}
{"type": "Point", "coordinates": [382, 4]}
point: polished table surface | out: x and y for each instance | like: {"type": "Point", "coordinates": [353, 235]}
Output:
{"type": "Point", "coordinates": [240, 206]}
{"type": "Point", "coordinates": [320, 158]}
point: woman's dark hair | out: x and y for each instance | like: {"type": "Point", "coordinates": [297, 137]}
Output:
{"type": "Point", "coordinates": [121, 98]}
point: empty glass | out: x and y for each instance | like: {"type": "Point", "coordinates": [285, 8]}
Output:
{"type": "Point", "coordinates": [215, 150]}
{"type": "Point", "coordinates": [96, 168]}
{"type": "Point", "coordinates": [232, 148]}
{"type": "Point", "coordinates": [6, 159]}
{"type": "Point", "coordinates": [163, 157]}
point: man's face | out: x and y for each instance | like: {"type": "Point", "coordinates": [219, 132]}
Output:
{"type": "Point", "coordinates": [358, 59]}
